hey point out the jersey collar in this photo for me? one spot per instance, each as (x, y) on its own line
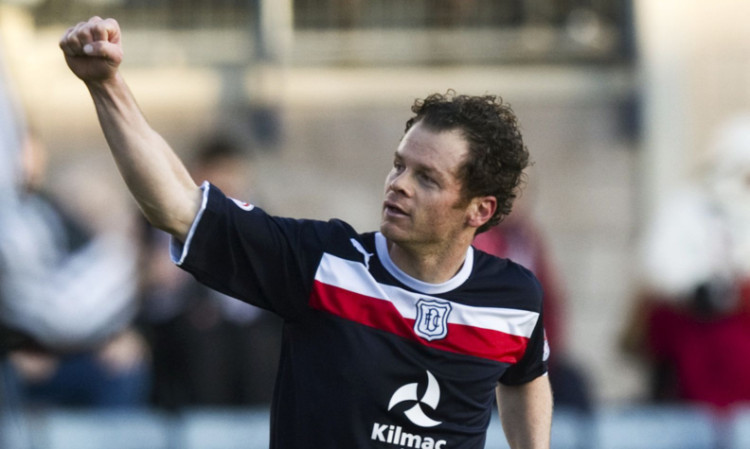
(381, 246)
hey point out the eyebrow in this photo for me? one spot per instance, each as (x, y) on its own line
(423, 168)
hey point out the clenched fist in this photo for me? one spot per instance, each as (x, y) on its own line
(93, 49)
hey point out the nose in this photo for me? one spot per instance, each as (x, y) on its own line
(398, 182)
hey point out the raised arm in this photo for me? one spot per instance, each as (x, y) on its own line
(526, 413)
(160, 183)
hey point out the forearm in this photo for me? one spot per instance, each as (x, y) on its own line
(526, 413)
(160, 183)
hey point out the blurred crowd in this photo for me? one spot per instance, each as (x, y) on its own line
(93, 313)
(90, 319)
(100, 322)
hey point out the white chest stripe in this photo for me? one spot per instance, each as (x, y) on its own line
(354, 277)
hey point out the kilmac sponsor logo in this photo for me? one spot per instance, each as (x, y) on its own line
(396, 435)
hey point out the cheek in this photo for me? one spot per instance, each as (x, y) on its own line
(440, 213)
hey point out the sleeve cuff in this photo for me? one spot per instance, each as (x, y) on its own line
(178, 250)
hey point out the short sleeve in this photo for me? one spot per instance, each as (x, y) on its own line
(240, 250)
(534, 362)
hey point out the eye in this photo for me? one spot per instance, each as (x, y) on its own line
(427, 179)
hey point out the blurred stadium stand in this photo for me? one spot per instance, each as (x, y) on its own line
(631, 427)
(655, 427)
(96, 429)
(571, 429)
(223, 429)
(738, 429)
(381, 31)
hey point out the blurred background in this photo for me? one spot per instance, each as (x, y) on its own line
(619, 101)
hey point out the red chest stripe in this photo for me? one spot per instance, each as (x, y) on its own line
(382, 314)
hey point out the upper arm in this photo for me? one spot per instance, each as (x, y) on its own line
(526, 413)
(242, 251)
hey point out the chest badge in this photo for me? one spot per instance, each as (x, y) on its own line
(432, 319)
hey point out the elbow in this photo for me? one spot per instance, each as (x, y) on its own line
(169, 224)
(174, 217)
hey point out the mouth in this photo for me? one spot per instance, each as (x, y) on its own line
(392, 209)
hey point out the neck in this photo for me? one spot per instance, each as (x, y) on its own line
(431, 265)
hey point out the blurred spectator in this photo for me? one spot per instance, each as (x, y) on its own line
(348, 13)
(691, 321)
(10, 119)
(209, 349)
(449, 13)
(68, 295)
(518, 238)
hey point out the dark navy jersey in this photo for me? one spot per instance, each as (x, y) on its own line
(371, 357)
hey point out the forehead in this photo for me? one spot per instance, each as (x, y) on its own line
(441, 151)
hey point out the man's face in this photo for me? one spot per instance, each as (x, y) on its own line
(423, 204)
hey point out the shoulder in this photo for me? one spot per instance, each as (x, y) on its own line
(489, 264)
(513, 284)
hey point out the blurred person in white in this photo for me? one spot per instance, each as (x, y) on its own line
(11, 120)
(691, 321)
(13, 433)
(208, 348)
(9, 137)
(68, 284)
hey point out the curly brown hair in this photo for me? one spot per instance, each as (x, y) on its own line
(497, 155)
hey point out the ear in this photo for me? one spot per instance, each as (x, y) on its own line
(480, 210)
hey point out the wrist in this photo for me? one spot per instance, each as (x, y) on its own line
(104, 84)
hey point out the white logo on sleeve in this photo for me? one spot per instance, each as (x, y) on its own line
(243, 205)
(408, 393)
